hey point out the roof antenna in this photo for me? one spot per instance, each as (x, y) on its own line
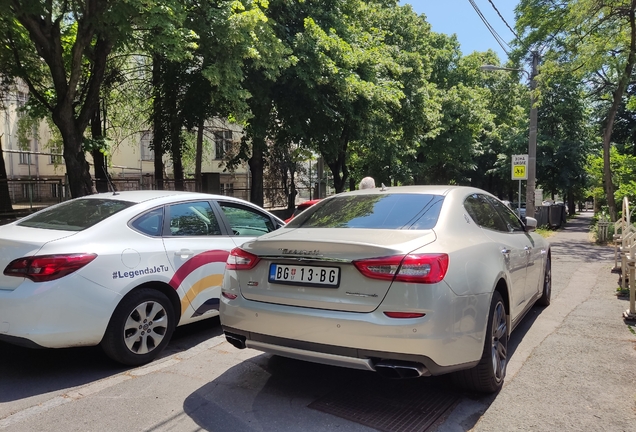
(383, 188)
(110, 183)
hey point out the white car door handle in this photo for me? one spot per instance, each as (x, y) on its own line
(183, 253)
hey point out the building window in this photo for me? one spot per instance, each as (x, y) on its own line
(21, 100)
(25, 159)
(147, 154)
(222, 141)
(27, 190)
(56, 159)
(55, 190)
(227, 189)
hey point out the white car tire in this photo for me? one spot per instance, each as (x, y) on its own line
(544, 300)
(488, 376)
(140, 327)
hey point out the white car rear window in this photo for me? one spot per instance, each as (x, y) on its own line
(75, 215)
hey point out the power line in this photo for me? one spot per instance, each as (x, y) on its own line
(490, 28)
(504, 20)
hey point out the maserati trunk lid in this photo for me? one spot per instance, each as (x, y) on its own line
(320, 273)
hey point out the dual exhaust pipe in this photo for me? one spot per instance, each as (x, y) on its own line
(386, 368)
(400, 369)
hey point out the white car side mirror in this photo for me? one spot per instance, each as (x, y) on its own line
(531, 223)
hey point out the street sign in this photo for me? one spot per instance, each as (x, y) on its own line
(520, 167)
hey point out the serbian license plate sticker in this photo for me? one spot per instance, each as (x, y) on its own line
(314, 276)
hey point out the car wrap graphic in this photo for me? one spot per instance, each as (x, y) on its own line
(131, 274)
(197, 261)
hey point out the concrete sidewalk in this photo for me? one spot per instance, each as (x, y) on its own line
(574, 368)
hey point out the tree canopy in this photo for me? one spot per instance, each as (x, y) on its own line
(366, 86)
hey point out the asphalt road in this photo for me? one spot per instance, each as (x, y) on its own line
(572, 368)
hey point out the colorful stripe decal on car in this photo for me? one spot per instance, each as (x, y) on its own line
(200, 285)
(194, 263)
(211, 304)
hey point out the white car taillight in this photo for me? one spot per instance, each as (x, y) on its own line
(45, 268)
(241, 260)
(416, 268)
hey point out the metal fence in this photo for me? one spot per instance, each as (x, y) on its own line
(35, 194)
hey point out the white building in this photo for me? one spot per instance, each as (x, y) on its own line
(36, 172)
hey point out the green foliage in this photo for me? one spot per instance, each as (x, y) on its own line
(590, 41)
(367, 85)
(96, 144)
(28, 129)
(623, 175)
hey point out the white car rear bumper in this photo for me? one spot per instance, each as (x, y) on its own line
(71, 311)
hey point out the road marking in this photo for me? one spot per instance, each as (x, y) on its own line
(98, 386)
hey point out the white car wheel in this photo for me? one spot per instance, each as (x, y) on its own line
(547, 285)
(140, 327)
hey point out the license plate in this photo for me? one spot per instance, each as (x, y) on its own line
(314, 276)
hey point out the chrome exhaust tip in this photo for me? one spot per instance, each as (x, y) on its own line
(400, 369)
(237, 340)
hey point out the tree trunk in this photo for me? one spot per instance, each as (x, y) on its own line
(5, 196)
(77, 168)
(258, 128)
(198, 159)
(79, 179)
(291, 196)
(99, 161)
(177, 162)
(571, 203)
(256, 163)
(157, 124)
(339, 165)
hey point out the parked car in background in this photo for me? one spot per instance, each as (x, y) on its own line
(120, 269)
(301, 207)
(405, 281)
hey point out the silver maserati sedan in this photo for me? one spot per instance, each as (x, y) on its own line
(405, 281)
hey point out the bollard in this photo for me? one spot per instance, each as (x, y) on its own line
(602, 227)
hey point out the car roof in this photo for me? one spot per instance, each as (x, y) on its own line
(308, 203)
(427, 189)
(147, 195)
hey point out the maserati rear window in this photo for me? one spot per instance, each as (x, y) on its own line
(390, 211)
(75, 215)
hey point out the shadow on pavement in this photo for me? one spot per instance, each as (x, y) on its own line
(273, 393)
(580, 245)
(29, 372)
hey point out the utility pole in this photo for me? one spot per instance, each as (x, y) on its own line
(532, 141)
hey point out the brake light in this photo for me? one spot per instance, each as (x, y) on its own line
(46, 268)
(228, 295)
(238, 259)
(417, 268)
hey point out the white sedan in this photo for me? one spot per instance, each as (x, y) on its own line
(120, 269)
(405, 281)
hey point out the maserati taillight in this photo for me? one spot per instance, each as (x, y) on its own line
(416, 268)
(241, 260)
(45, 268)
